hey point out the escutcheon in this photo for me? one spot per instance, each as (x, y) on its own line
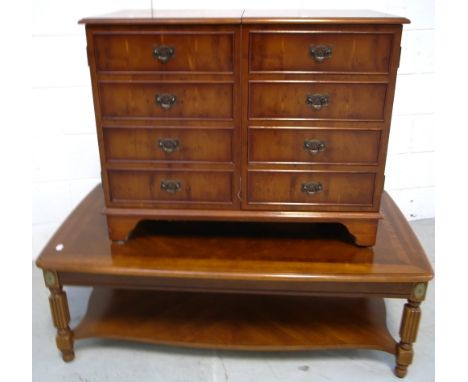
(50, 278)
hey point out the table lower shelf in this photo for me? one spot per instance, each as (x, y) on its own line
(238, 322)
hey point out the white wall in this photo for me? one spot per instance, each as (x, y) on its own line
(65, 152)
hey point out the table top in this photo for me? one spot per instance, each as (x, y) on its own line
(223, 16)
(237, 251)
(317, 16)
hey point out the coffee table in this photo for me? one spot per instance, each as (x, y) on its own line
(234, 285)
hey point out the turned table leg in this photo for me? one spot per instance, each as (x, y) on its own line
(60, 315)
(409, 330)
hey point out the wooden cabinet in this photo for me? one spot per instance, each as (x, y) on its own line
(255, 116)
(243, 115)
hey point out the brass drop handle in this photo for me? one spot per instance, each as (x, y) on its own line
(317, 100)
(168, 145)
(311, 188)
(163, 53)
(171, 186)
(320, 52)
(314, 146)
(166, 101)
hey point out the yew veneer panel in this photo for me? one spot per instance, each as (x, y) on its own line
(172, 144)
(289, 100)
(293, 51)
(150, 187)
(133, 99)
(292, 145)
(289, 188)
(190, 51)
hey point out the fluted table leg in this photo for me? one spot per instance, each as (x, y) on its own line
(60, 315)
(409, 330)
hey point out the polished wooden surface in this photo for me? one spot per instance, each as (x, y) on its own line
(284, 189)
(167, 16)
(198, 254)
(269, 273)
(352, 52)
(130, 50)
(197, 16)
(122, 221)
(229, 82)
(288, 145)
(132, 100)
(143, 187)
(287, 100)
(279, 73)
(266, 323)
(141, 144)
(203, 75)
(225, 83)
(319, 16)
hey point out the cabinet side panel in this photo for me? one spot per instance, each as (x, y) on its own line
(97, 109)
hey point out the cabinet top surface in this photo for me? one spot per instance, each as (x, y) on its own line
(303, 16)
(237, 251)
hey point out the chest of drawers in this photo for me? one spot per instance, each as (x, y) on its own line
(244, 115)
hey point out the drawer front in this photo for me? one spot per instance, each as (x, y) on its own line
(313, 146)
(320, 52)
(327, 188)
(164, 52)
(169, 186)
(314, 100)
(170, 144)
(123, 100)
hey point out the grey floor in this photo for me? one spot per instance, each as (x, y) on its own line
(105, 360)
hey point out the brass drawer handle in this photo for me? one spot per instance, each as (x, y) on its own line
(163, 53)
(314, 146)
(171, 186)
(168, 145)
(317, 100)
(311, 188)
(166, 101)
(320, 52)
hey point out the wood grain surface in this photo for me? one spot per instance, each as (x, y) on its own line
(290, 51)
(193, 51)
(267, 323)
(268, 257)
(152, 73)
(288, 145)
(221, 16)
